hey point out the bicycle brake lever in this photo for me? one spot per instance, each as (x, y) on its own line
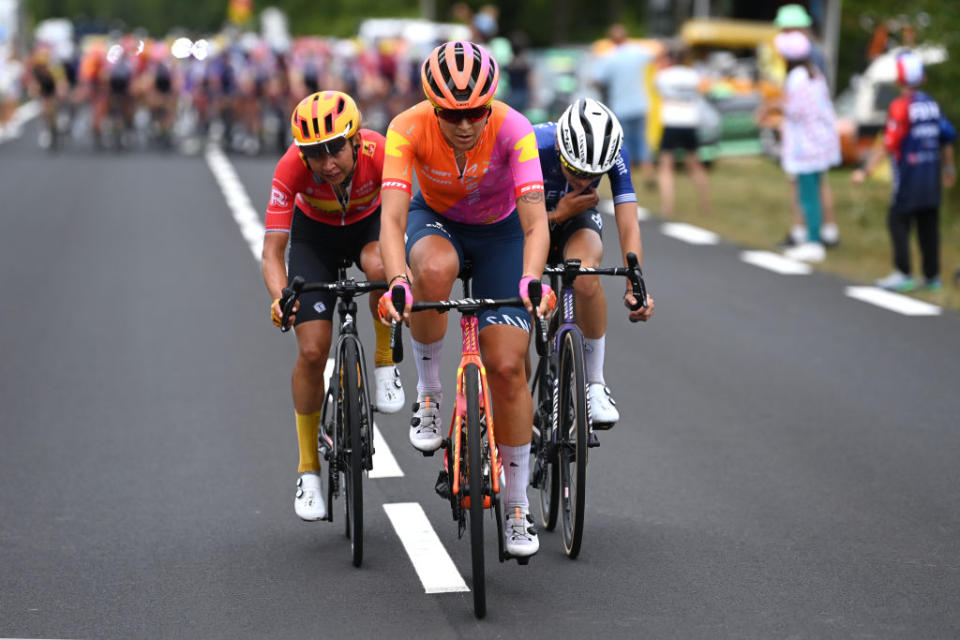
(398, 295)
(288, 298)
(636, 282)
(535, 291)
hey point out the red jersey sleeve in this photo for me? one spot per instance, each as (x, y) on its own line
(898, 125)
(283, 191)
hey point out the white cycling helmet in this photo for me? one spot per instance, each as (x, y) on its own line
(589, 136)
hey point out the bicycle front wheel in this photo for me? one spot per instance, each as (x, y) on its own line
(352, 463)
(543, 464)
(573, 436)
(474, 482)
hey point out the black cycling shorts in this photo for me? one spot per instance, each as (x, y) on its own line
(560, 233)
(679, 138)
(316, 251)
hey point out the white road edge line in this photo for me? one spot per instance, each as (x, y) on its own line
(689, 233)
(776, 263)
(237, 199)
(893, 301)
(430, 559)
(384, 462)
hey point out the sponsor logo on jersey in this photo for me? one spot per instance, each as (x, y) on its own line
(278, 198)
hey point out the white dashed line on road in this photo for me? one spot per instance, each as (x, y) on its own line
(776, 263)
(237, 199)
(689, 233)
(893, 301)
(430, 559)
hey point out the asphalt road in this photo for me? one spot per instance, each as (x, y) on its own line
(787, 465)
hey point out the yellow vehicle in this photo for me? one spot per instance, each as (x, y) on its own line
(740, 70)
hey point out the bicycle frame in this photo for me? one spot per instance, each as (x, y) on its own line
(469, 328)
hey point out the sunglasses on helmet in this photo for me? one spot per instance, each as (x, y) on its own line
(320, 149)
(576, 173)
(454, 116)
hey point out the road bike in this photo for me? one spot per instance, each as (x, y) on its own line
(346, 435)
(561, 426)
(472, 475)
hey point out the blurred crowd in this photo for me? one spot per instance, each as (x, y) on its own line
(128, 90)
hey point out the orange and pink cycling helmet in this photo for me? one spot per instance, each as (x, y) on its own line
(459, 75)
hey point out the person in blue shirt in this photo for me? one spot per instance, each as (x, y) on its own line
(575, 153)
(919, 140)
(622, 73)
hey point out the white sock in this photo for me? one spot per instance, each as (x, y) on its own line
(829, 232)
(516, 464)
(593, 350)
(798, 233)
(427, 357)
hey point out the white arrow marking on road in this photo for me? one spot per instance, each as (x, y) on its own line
(384, 463)
(431, 561)
(776, 263)
(237, 199)
(893, 301)
(689, 233)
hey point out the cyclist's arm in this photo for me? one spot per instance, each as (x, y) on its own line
(625, 214)
(395, 205)
(272, 262)
(536, 236)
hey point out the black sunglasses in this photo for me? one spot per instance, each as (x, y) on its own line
(576, 173)
(454, 116)
(333, 147)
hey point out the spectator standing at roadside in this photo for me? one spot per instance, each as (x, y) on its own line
(679, 87)
(791, 18)
(810, 142)
(623, 73)
(917, 136)
(11, 90)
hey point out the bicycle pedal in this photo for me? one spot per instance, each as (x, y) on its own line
(442, 486)
(524, 561)
(593, 440)
(427, 454)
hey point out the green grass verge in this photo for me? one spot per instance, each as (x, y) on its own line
(751, 207)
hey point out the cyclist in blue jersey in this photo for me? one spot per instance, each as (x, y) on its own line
(575, 153)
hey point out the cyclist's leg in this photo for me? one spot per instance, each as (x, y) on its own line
(586, 244)
(434, 258)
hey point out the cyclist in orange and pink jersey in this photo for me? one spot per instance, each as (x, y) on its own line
(481, 199)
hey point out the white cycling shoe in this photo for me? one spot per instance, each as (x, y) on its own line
(519, 535)
(601, 406)
(425, 424)
(390, 398)
(309, 503)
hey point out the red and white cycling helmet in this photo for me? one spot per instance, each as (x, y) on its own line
(459, 75)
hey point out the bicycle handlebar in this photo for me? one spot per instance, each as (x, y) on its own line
(570, 269)
(298, 286)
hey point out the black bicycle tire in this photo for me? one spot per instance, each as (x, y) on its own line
(549, 490)
(471, 385)
(353, 449)
(573, 486)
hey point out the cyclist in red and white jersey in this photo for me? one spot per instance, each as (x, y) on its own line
(481, 199)
(325, 199)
